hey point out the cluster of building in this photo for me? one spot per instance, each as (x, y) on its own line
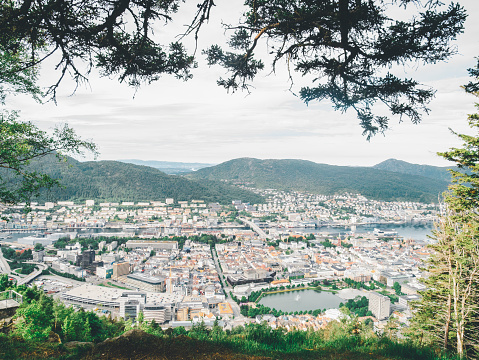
(162, 218)
(179, 285)
(170, 285)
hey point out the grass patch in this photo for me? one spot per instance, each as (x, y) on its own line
(117, 286)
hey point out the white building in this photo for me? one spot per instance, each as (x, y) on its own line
(379, 305)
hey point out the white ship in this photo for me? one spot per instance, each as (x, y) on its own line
(385, 232)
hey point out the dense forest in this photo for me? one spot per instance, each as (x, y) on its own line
(403, 167)
(325, 179)
(117, 181)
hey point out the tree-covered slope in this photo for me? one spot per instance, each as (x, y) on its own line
(113, 180)
(403, 167)
(325, 179)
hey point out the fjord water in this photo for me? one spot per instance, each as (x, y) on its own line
(405, 230)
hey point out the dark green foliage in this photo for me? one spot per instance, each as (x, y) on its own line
(39, 247)
(4, 282)
(447, 314)
(379, 284)
(254, 296)
(397, 288)
(114, 36)
(301, 175)
(62, 243)
(117, 181)
(67, 275)
(359, 284)
(211, 240)
(40, 315)
(25, 268)
(22, 142)
(357, 306)
(347, 49)
(326, 243)
(403, 167)
(392, 297)
(11, 254)
(271, 217)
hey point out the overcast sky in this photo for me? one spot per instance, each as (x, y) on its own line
(196, 121)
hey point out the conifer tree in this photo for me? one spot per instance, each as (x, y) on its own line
(449, 310)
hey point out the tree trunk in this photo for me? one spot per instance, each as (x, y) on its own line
(448, 321)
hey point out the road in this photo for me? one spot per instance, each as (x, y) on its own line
(239, 319)
(254, 227)
(4, 267)
(34, 274)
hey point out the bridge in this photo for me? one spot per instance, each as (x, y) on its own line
(33, 275)
(254, 227)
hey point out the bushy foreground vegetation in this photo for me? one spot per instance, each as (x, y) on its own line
(42, 327)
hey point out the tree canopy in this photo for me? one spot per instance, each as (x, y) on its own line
(22, 142)
(448, 311)
(347, 46)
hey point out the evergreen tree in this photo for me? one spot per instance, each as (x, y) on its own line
(449, 311)
(33, 321)
(68, 329)
(4, 282)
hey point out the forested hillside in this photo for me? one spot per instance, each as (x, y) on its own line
(403, 167)
(325, 179)
(113, 180)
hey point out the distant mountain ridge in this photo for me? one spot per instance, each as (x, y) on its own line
(303, 175)
(169, 167)
(114, 180)
(403, 167)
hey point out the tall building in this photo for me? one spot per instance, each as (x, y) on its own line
(87, 258)
(120, 269)
(156, 312)
(379, 305)
(38, 256)
(132, 303)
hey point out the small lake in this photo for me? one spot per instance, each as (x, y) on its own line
(301, 300)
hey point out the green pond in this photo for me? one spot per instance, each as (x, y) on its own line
(302, 300)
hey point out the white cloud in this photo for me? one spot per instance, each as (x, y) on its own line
(196, 121)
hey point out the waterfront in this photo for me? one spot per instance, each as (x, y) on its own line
(405, 230)
(301, 300)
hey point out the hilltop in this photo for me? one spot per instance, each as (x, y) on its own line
(302, 175)
(117, 181)
(403, 167)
